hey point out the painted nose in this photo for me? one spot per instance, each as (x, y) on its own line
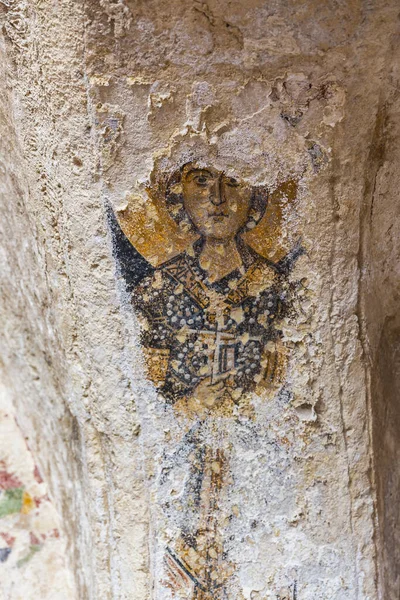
(218, 193)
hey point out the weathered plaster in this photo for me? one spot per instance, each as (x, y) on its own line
(100, 98)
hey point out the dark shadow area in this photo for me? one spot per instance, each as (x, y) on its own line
(386, 428)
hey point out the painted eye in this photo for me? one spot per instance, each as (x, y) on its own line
(202, 180)
(232, 182)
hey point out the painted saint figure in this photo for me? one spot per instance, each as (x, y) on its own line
(210, 320)
(211, 313)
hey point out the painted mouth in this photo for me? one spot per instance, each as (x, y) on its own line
(218, 217)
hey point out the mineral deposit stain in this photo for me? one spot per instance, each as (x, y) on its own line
(210, 299)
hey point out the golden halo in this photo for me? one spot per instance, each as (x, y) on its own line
(151, 230)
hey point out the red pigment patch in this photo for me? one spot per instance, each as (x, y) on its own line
(33, 539)
(9, 539)
(38, 501)
(37, 475)
(44, 498)
(8, 481)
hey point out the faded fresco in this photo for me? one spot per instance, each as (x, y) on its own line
(32, 543)
(196, 257)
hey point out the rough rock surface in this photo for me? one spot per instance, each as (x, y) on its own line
(98, 98)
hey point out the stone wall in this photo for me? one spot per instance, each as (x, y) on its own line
(103, 102)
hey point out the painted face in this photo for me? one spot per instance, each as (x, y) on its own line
(218, 205)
